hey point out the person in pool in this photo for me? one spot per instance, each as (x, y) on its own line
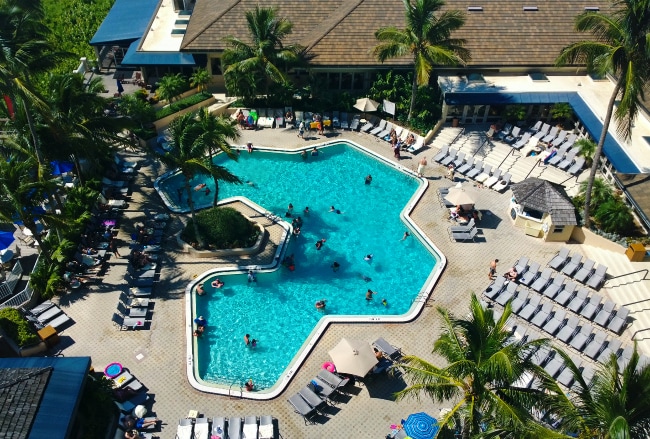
(365, 278)
(200, 321)
(369, 294)
(217, 283)
(306, 211)
(303, 155)
(336, 266)
(247, 339)
(335, 210)
(296, 231)
(368, 179)
(251, 276)
(319, 243)
(314, 151)
(199, 290)
(368, 258)
(250, 386)
(320, 304)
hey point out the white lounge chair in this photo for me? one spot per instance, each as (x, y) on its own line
(551, 135)
(267, 430)
(559, 259)
(466, 166)
(568, 158)
(493, 179)
(354, 124)
(598, 277)
(250, 427)
(487, 170)
(561, 137)
(441, 154)
(522, 142)
(503, 183)
(379, 128)
(184, 429)
(576, 166)
(417, 146)
(234, 428)
(476, 170)
(201, 428)
(542, 132)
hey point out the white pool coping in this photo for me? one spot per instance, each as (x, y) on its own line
(418, 301)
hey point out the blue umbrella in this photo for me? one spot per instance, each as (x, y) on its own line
(421, 426)
(6, 239)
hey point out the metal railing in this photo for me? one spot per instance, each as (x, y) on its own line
(460, 133)
(7, 287)
(645, 270)
(234, 395)
(486, 141)
(19, 299)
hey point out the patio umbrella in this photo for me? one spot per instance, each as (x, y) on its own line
(421, 426)
(6, 239)
(354, 357)
(460, 196)
(366, 105)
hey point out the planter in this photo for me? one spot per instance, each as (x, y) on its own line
(161, 123)
(255, 248)
(454, 122)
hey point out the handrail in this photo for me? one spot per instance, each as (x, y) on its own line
(627, 274)
(241, 390)
(537, 163)
(482, 145)
(460, 133)
(512, 152)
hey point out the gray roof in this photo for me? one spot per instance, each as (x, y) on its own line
(544, 196)
(21, 391)
(638, 187)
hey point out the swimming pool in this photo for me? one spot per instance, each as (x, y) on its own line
(279, 309)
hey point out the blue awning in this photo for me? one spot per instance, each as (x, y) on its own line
(126, 21)
(133, 57)
(612, 149)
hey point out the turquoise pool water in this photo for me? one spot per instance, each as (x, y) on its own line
(278, 310)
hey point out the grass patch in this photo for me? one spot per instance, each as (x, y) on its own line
(17, 328)
(181, 104)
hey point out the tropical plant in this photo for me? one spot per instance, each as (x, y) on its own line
(171, 86)
(200, 79)
(614, 405)
(17, 328)
(515, 113)
(587, 148)
(484, 364)
(601, 192)
(216, 131)
(188, 154)
(264, 58)
(426, 38)
(561, 112)
(622, 48)
(223, 228)
(614, 216)
(139, 110)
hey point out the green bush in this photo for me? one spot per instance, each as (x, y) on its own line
(96, 409)
(614, 216)
(222, 228)
(17, 328)
(182, 104)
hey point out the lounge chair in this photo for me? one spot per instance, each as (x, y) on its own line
(579, 300)
(508, 294)
(460, 158)
(617, 323)
(559, 139)
(554, 366)
(336, 122)
(369, 125)
(559, 156)
(312, 398)
(522, 142)
(453, 152)
(568, 158)
(551, 135)
(219, 427)
(542, 132)
(379, 128)
(543, 280)
(531, 308)
(559, 259)
(606, 313)
(585, 271)
(466, 166)
(542, 316)
(234, 428)
(581, 339)
(201, 428)
(441, 154)
(554, 288)
(267, 429)
(487, 170)
(495, 287)
(530, 275)
(566, 377)
(535, 128)
(467, 228)
(250, 427)
(573, 265)
(554, 324)
(386, 131)
(332, 379)
(612, 347)
(577, 165)
(490, 133)
(625, 356)
(184, 429)
(125, 163)
(39, 309)
(48, 315)
(476, 170)
(514, 135)
(590, 309)
(387, 349)
(301, 407)
(323, 389)
(344, 121)
(464, 236)
(598, 277)
(568, 330)
(507, 128)
(354, 124)
(129, 405)
(566, 294)
(490, 181)
(521, 265)
(139, 292)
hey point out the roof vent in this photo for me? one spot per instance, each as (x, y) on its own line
(475, 8)
(530, 8)
(592, 8)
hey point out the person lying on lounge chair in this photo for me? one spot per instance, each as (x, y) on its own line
(512, 274)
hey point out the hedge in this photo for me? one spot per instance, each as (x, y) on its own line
(182, 104)
(17, 328)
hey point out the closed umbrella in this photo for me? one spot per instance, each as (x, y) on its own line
(6, 239)
(460, 196)
(421, 426)
(366, 105)
(354, 357)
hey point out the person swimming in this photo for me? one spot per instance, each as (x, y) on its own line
(198, 187)
(335, 210)
(251, 276)
(217, 283)
(384, 302)
(320, 304)
(319, 243)
(368, 179)
(336, 266)
(368, 257)
(365, 278)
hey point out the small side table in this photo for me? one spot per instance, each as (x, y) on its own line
(49, 336)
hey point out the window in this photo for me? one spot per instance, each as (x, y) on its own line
(346, 81)
(215, 66)
(334, 79)
(558, 229)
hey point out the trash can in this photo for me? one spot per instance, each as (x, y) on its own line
(635, 252)
(49, 336)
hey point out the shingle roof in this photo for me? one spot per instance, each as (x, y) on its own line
(21, 391)
(544, 196)
(341, 32)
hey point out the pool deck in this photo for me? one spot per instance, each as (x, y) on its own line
(156, 356)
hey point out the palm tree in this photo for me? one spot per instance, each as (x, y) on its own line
(614, 405)
(261, 58)
(189, 156)
(485, 362)
(426, 38)
(200, 79)
(600, 193)
(622, 48)
(216, 132)
(586, 148)
(170, 87)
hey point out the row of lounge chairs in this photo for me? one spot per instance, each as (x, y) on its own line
(313, 398)
(582, 271)
(482, 173)
(47, 314)
(231, 428)
(381, 128)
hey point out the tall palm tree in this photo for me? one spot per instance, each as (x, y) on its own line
(426, 38)
(265, 56)
(614, 405)
(601, 191)
(189, 156)
(484, 363)
(200, 79)
(216, 132)
(621, 47)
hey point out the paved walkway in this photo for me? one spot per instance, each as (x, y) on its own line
(156, 356)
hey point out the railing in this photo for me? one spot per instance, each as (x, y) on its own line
(512, 152)
(460, 133)
(482, 145)
(19, 299)
(645, 270)
(232, 395)
(539, 163)
(7, 287)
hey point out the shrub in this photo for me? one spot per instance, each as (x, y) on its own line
(222, 228)
(182, 104)
(17, 328)
(614, 216)
(96, 409)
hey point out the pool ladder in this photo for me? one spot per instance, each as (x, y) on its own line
(234, 395)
